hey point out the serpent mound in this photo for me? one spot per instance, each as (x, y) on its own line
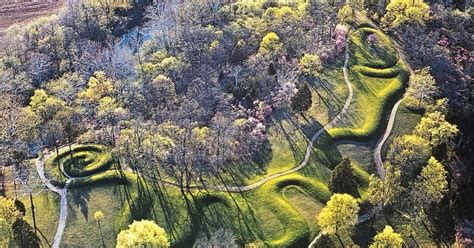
(84, 160)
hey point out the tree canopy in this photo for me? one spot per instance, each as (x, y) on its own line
(343, 179)
(144, 233)
(339, 215)
(387, 238)
(399, 12)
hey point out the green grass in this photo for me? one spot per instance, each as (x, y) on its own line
(405, 122)
(83, 203)
(380, 55)
(46, 213)
(307, 206)
(294, 230)
(378, 79)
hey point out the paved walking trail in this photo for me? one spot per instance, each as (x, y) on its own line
(378, 148)
(63, 203)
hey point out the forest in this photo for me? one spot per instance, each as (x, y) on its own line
(237, 123)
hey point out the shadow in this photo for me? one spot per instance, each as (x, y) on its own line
(81, 198)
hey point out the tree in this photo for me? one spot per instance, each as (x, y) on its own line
(346, 14)
(339, 215)
(159, 93)
(408, 153)
(110, 113)
(340, 36)
(5, 233)
(98, 216)
(387, 239)
(431, 185)
(405, 11)
(144, 233)
(98, 87)
(436, 128)
(310, 64)
(270, 44)
(17, 131)
(343, 180)
(45, 105)
(422, 86)
(8, 211)
(382, 192)
(302, 101)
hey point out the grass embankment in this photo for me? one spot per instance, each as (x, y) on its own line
(378, 78)
(78, 161)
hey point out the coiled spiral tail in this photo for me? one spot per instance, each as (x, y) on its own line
(84, 160)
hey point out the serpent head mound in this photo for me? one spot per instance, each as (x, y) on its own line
(371, 48)
(84, 160)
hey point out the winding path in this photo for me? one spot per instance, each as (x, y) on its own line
(378, 148)
(63, 203)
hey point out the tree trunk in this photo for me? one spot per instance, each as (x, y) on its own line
(413, 238)
(340, 240)
(14, 189)
(70, 148)
(113, 136)
(101, 235)
(33, 212)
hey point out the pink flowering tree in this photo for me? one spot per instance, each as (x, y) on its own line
(372, 39)
(340, 36)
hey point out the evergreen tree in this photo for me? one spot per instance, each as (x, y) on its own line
(302, 100)
(343, 180)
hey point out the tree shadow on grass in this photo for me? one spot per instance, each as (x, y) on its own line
(81, 199)
(212, 211)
